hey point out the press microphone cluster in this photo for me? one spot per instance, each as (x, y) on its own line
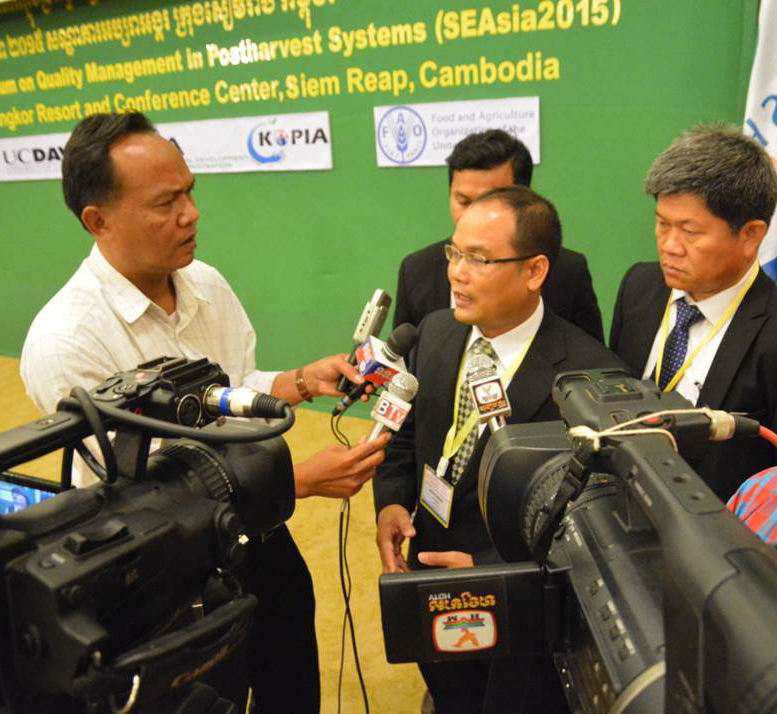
(370, 324)
(379, 361)
(393, 405)
(488, 392)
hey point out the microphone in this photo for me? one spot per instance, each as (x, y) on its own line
(488, 392)
(369, 324)
(242, 402)
(379, 361)
(393, 405)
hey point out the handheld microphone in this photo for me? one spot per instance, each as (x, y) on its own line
(393, 405)
(379, 361)
(242, 402)
(369, 324)
(488, 392)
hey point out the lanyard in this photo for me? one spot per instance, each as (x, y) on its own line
(454, 439)
(714, 331)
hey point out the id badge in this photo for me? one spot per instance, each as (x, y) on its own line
(436, 496)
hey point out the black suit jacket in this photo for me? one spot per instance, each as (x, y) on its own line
(423, 287)
(742, 377)
(558, 346)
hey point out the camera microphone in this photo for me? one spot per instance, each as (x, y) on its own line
(369, 324)
(379, 361)
(242, 402)
(488, 392)
(393, 405)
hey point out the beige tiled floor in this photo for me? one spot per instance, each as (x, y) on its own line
(392, 689)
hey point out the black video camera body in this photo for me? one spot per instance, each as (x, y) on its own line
(650, 594)
(96, 584)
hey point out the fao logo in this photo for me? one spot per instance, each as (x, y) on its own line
(401, 135)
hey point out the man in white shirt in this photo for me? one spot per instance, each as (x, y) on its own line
(140, 295)
(715, 193)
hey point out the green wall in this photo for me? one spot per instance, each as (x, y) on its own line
(304, 250)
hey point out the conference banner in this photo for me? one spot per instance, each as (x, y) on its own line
(425, 134)
(761, 111)
(278, 142)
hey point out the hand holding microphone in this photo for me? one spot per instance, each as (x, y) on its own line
(488, 392)
(378, 361)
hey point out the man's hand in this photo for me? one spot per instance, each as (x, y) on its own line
(337, 472)
(394, 526)
(446, 559)
(322, 376)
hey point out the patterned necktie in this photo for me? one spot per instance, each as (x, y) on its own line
(466, 405)
(677, 342)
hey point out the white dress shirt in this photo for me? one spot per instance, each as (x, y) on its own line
(713, 309)
(99, 324)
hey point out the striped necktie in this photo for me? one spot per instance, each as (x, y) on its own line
(480, 346)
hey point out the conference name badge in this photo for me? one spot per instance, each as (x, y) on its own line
(436, 496)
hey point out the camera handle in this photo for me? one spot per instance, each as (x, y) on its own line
(171, 662)
(575, 479)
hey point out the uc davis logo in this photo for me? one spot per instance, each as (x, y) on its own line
(401, 135)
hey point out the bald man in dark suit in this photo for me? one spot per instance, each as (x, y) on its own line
(496, 268)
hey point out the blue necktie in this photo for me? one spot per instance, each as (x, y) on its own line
(677, 343)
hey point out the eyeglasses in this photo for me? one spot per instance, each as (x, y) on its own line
(478, 262)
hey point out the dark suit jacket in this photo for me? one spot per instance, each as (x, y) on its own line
(423, 287)
(558, 346)
(742, 378)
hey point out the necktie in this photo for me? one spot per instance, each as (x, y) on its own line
(466, 405)
(677, 342)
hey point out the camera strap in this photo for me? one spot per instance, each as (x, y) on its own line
(571, 486)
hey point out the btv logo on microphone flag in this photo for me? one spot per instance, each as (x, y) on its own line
(761, 111)
(391, 411)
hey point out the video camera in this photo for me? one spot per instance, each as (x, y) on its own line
(97, 584)
(650, 595)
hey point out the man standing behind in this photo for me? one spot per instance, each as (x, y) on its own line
(703, 320)
(479, 163)
(140, 295)
(499, 257)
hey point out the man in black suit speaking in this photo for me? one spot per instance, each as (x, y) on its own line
(479, 163)
(703, 320)
(499, 257)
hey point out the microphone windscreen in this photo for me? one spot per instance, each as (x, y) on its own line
(401, 340)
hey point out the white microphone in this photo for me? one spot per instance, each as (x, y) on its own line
(488, 392)
(393, 404)
(370, 323)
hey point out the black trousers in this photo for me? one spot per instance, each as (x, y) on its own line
(526, 684)
(279, 657)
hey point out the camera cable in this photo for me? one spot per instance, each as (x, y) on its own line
(345, 582)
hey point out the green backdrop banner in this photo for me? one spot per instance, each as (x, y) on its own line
(616, 79)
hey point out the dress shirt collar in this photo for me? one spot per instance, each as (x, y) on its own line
(129, 302)
(509, 344)
(714, 307)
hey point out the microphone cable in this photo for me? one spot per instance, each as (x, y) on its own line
(345, 581)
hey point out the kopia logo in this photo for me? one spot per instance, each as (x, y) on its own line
(269, 142)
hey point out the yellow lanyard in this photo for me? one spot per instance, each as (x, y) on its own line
(454, 439)
(714, 331)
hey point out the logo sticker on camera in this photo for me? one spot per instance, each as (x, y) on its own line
(464, 631)
(466, 620)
